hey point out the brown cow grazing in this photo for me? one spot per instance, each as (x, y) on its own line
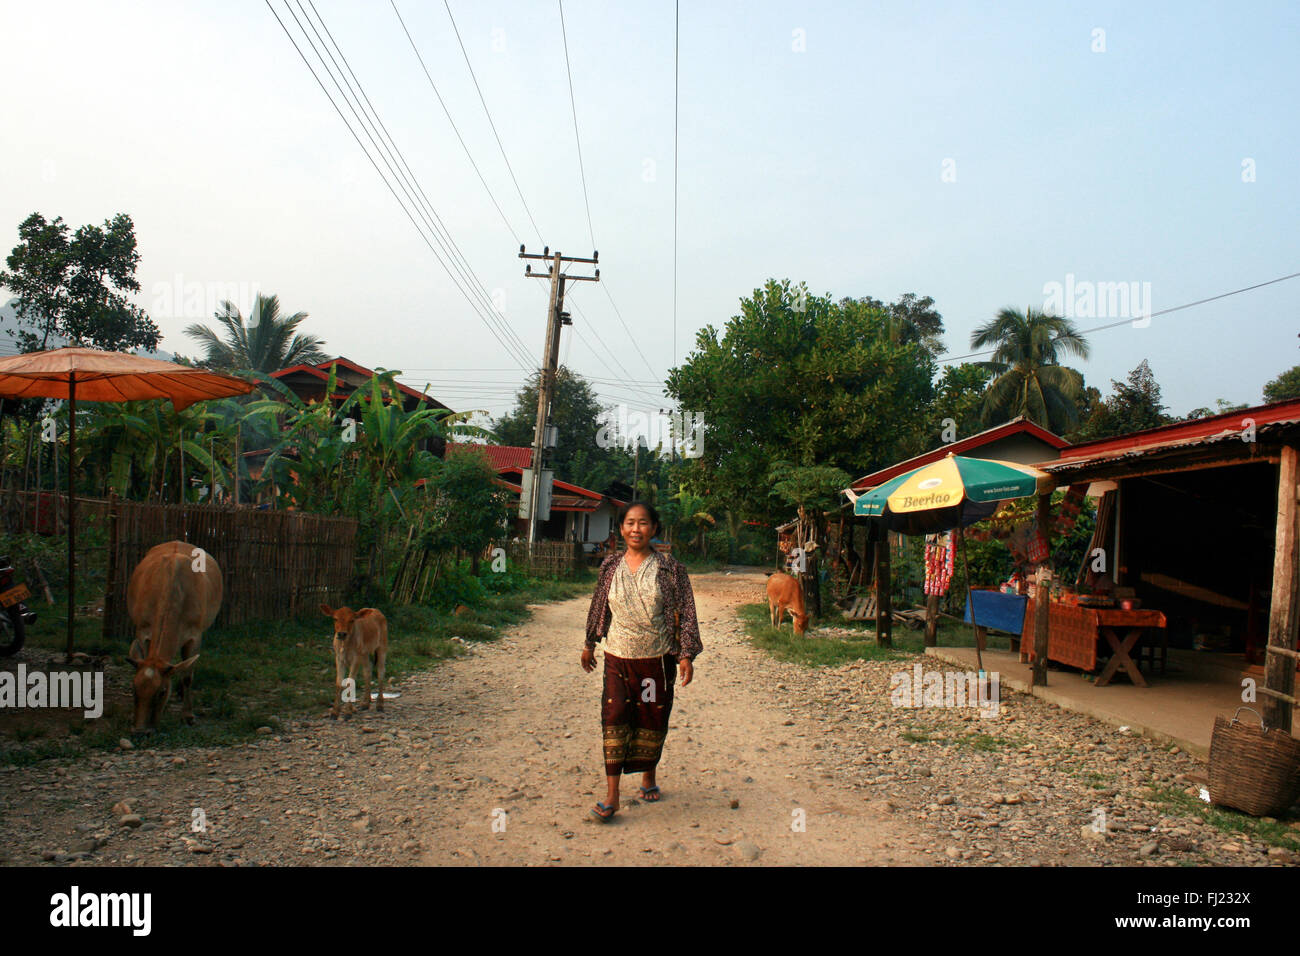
(784, 594)
(172, 598)
(359, 637)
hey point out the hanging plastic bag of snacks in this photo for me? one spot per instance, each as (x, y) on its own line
(939, 556)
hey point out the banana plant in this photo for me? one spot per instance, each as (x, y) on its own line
(141, 449)
(693, 515)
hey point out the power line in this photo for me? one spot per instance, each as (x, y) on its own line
(464, 268)
(491, 123)
(461, 139)
(1114, 325)
(627, 376)
(630, 337)
(593, 351)
(518, 188)
(573, 103)
(373, 163)
(677, 32)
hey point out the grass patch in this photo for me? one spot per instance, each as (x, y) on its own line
(809, 650)
(1230, 822)
(1094, 779)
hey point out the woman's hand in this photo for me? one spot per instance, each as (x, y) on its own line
(686, 670)
(588, 659)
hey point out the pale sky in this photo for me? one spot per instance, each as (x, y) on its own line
(867, 149)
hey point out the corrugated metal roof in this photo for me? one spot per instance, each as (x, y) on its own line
(499, 456)
(1212, 427)
(1153, 445)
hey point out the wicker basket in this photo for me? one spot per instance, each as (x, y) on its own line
(1253, 768)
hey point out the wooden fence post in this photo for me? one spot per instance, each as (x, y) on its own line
(1284, 614)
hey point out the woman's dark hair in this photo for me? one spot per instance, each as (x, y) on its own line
(649, 510)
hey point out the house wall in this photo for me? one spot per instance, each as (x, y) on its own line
(1020, 448)
(599, 522)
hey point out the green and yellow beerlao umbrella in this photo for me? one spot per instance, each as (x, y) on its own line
(951, 493)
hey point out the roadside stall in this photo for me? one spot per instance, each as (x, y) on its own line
(947, 495)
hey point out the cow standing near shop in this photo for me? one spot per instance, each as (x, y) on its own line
(784, 595)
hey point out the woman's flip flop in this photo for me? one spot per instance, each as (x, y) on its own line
(651, 794)
(603, 813)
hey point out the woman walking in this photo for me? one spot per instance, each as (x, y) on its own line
(644, 610)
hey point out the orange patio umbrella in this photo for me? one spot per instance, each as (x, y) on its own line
(96, 376)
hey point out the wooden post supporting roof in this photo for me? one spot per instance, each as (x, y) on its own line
(1041, 606)
(884, 609)
(1284, 614)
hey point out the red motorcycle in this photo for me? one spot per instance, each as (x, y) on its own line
(14, 614)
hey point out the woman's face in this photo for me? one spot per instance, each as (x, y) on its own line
(637, 528)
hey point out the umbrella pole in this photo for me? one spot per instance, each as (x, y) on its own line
(72, 508)
(965, 566)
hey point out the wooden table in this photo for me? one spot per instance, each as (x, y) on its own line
(1074, 634)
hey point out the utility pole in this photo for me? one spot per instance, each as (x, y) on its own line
(556, 319)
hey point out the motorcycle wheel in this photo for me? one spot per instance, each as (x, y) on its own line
(12, 631)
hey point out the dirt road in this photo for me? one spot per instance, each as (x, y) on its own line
(495, 758)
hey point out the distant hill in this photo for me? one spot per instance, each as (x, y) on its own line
(9, 343)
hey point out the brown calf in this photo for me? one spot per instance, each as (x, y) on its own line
(784, 594)
(359, 637)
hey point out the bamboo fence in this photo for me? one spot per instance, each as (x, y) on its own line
(46, 512)
(274, 564)
(551, 559)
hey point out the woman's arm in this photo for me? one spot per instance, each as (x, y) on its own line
(689, 635)
(598, 614)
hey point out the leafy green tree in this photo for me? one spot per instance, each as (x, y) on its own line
(1029, 379)
(1135, 404)
(75, 287)
(268, 342)
(1087, 404)
(467, 506)
(575, 411)
(1221, 407)
(1286, 385)
(801, 378)
(959, 396)
(812, 489)
(909, 319)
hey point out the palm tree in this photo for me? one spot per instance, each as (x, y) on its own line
(1029, 379)
(267, 343)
